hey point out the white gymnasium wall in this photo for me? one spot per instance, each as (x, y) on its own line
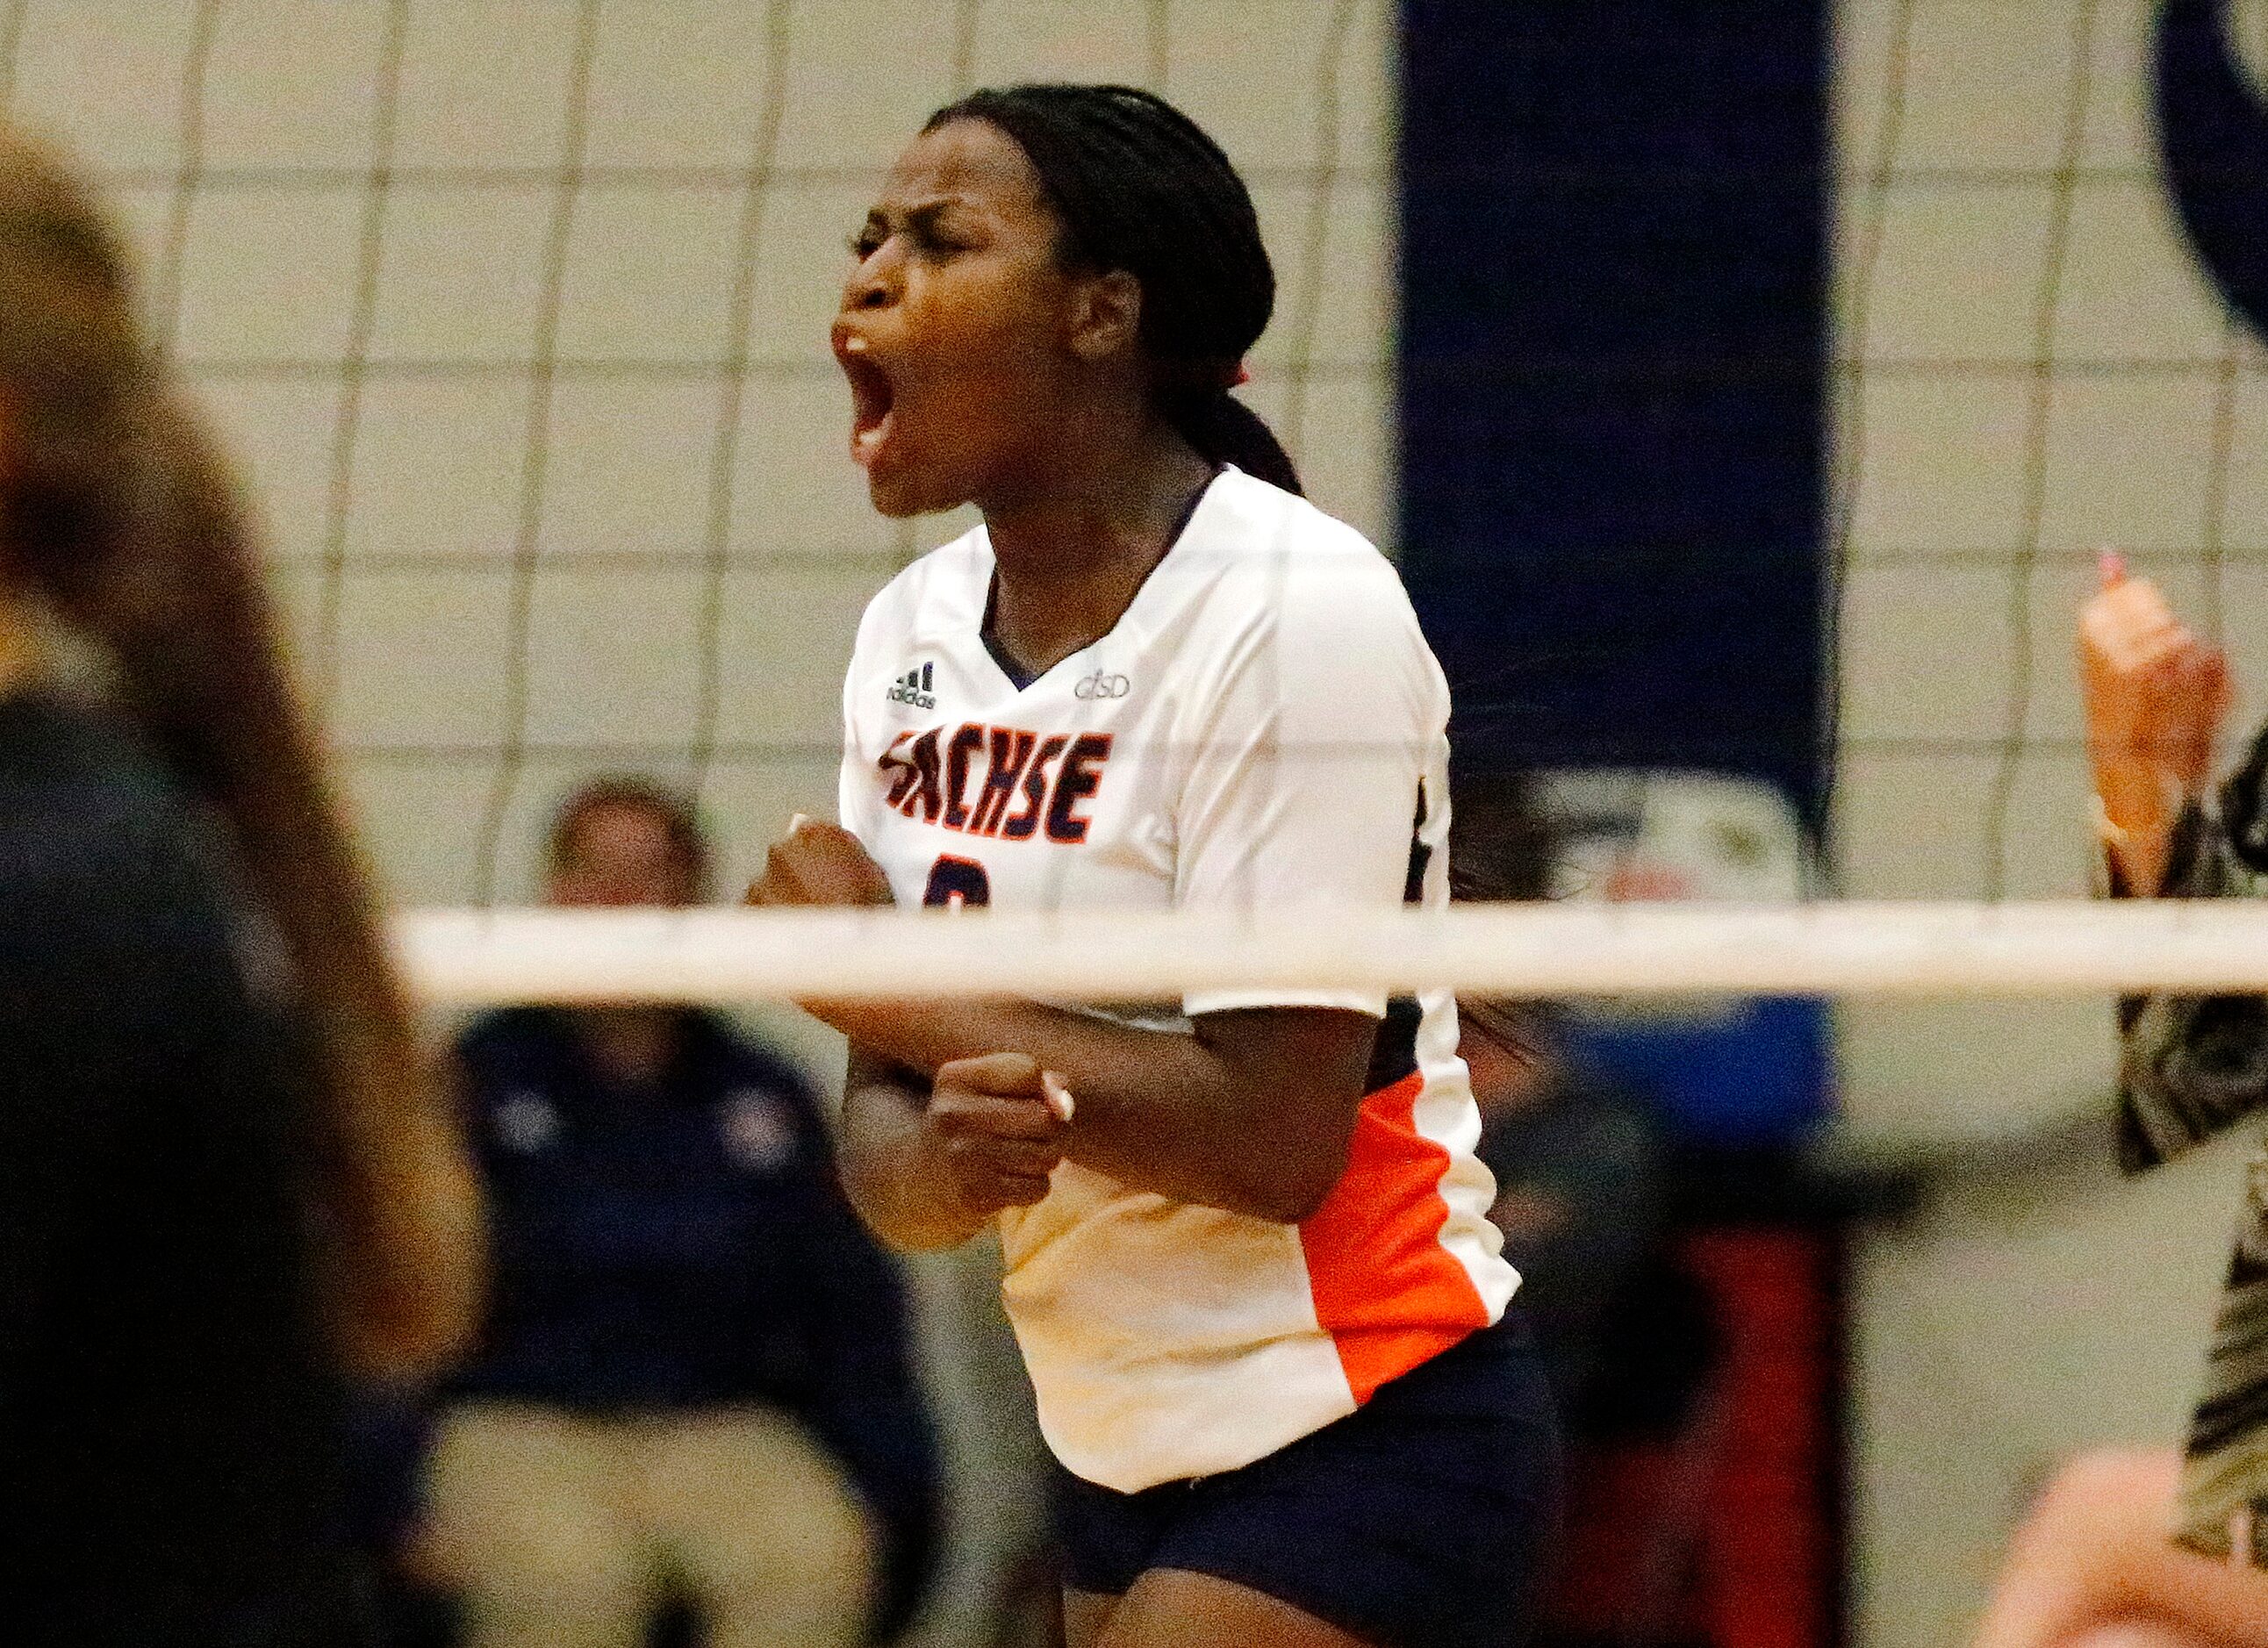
(515, 312)
(2028, 367)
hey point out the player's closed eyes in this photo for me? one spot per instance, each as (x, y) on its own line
(929, 241)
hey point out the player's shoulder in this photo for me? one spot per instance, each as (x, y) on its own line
(1265, 513)
(951, 567)
(1306, 565)
(1294, 544)
(948, 577)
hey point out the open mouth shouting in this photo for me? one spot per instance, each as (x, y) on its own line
(873, 398)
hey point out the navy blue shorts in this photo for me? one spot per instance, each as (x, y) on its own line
(1420, 1521)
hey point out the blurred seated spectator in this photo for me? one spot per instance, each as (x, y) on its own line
(1629, 1336)
(1579, 1166)
(693, 1392)
(1580, 1187)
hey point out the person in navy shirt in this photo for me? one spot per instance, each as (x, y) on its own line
(694, 1384)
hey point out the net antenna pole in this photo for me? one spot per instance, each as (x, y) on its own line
(535, 464)
(2039, 408)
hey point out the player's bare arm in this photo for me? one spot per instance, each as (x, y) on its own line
(1253, 1113)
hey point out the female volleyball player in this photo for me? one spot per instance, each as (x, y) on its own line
(1246, 1255)
(2097, 1565)
(224, 1183)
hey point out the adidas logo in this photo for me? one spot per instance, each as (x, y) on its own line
(913, 687)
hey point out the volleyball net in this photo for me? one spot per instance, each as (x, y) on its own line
(515, 312)
(469, 958)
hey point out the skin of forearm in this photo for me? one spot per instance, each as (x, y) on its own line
(2224, 1605)
(2134, 802)
(1161, 1111)
(2141, 860)
(888, 1170)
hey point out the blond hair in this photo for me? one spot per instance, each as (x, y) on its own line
(118, 516)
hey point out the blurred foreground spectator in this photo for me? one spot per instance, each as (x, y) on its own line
(693, 1396)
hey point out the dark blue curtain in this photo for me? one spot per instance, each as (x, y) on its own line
(1613, 379)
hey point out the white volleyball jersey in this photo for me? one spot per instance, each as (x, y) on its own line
(1266, 729)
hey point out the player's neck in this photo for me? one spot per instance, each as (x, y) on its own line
(1071, 557)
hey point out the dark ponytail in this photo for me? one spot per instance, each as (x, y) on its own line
(1140, 187)
(1224, 430)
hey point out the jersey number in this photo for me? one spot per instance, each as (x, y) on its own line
(957, 884)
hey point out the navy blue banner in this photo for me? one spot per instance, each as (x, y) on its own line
(1613, 379)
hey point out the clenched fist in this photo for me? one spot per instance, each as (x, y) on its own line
(2156, 695)
(996, 1126)
(822, 864)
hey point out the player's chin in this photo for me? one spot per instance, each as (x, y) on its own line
(901, 492)
(898, 499)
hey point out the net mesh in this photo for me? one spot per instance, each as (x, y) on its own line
(516, 309)
(518, 312)
(2030, 368)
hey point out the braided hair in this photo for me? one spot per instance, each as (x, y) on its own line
(1138, 186)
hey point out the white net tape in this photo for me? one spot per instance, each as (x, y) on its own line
(467, 958)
